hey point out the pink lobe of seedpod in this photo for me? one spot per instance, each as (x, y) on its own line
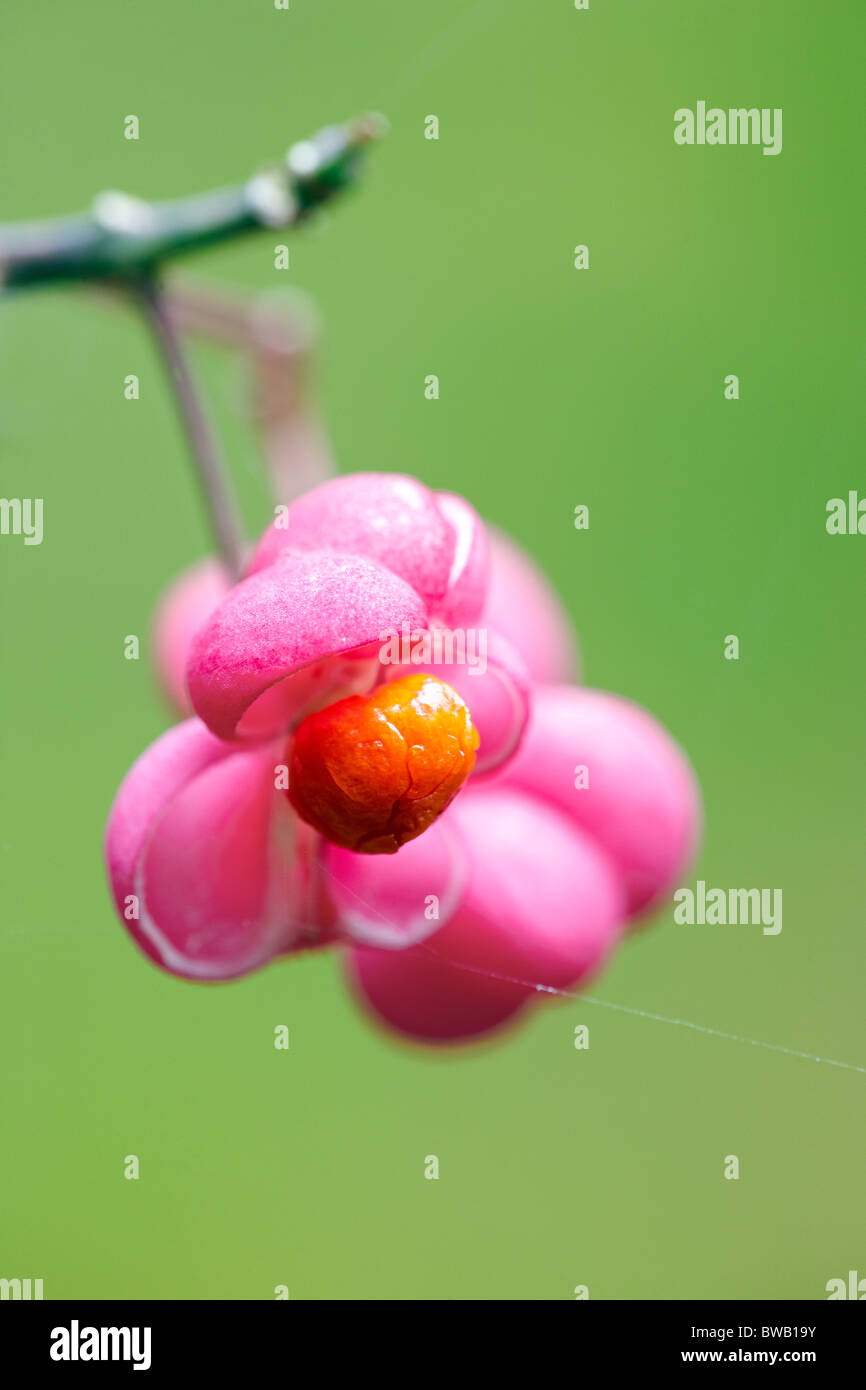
(618, 775)
(295, 636)
(205, 859)
(541, 909)
(434, 542)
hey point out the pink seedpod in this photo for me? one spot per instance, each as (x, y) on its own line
(505, 854)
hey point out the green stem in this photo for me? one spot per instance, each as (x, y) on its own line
(124, 236)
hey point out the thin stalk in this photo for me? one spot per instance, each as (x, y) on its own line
(213, 479)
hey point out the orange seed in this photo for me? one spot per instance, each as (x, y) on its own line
(373, 771)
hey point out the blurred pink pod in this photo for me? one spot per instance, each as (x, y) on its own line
(541, 909)
(617, 774)
(523, 608)
(180, 611)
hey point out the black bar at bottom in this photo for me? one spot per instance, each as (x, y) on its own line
(151, 1338)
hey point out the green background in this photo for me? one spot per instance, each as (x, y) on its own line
(558, 387)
